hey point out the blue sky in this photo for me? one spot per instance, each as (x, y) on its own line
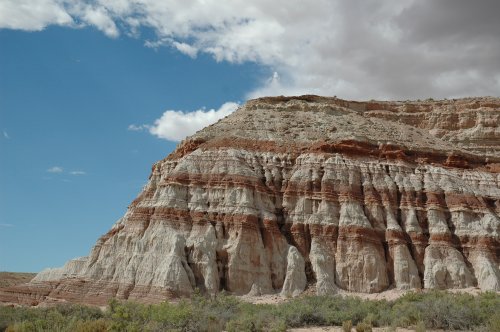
(93, 92)
(67, 98)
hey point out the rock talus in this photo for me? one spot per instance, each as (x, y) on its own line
(294, 192)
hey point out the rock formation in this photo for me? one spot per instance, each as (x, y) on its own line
(291, 192)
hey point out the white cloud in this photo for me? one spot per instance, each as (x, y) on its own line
(6, 135)
(100, 18)
(186, 49)
(176, 125)
(32, 15)
(35, 15)
(354, 49)
(134, 127)
(55, 169)
(60, 170)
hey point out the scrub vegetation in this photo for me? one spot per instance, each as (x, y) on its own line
(419, 311)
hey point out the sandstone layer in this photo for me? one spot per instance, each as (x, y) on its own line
(295, 192)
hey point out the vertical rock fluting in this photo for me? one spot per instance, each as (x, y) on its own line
(287, 193)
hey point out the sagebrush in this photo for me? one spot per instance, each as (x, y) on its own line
(439, 310)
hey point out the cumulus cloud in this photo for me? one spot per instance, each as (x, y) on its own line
(98, 17)
(55, 169)
(186, 49)
(354, 49)
(35, 15)
(176, 125)
(32, 15)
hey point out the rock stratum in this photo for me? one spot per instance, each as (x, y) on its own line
(295, 192)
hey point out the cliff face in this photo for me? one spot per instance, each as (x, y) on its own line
(290, 192)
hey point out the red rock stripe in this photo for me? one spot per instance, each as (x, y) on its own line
(347, 147)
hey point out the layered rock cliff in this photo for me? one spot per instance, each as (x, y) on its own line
(295, 192)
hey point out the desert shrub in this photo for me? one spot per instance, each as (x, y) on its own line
(20, 327)
(82, 312)
(174, 316)
(332, 310)
(440, 310)
(405, 311)
(347, 326)
(302, 312)
(420, 327)
(487, 306)
(56, 318)
(493, 324)
(200, 313)
(98, 325)
(363, 327)
(16, 315)
(443, 310)
(256, 324)
(277, 326)
(370, 319)
(213, 313)
(256, 317)
(127, 316)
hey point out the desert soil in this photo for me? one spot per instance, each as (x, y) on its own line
(8, 279)
(339, 329)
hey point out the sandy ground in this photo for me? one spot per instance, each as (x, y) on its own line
(389, 295)
(339, 329)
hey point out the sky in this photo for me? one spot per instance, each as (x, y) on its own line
(92, 93)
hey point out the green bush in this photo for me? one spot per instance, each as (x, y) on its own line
(443, 310)
(99, 325)
(174, 316)
(213, 313)
(256, 317)
(494, 323)
(332, 310)
(440, 310)
(56, 318)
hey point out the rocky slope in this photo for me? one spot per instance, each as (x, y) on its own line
(290, 192)
(8, 279)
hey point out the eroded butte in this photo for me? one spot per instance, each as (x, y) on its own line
(295, 192)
